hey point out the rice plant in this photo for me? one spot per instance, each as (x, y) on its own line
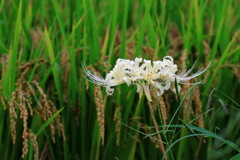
(180, 103)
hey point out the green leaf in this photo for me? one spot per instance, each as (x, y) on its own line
(237, 157)
(48, 122)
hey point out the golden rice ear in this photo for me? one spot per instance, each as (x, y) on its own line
(100, 109)
(163, 109)
(21, 108)
(186, 111)
(3, 102)
(117, 118)
(47, 110)
(198, 106)
(33, 138)
(13, 115)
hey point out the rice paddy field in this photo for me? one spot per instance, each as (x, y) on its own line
(50, 110)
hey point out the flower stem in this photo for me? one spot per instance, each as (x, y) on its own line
(157, 130)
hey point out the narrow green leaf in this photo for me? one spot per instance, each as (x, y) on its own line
(237, 157)
(48, 122)
(54, 69)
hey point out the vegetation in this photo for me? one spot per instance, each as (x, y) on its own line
(48, 109)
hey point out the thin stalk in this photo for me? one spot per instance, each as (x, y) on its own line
(157, 130)
(199, 147)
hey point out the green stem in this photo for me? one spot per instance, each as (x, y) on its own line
(157, 130)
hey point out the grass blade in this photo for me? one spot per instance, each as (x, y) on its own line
(48, 122)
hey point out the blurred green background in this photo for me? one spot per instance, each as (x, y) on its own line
(43, 44)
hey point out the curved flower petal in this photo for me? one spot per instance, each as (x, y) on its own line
(179, 89)
(109, 90)
(147, 92)
(168, 85)
(160, 89)
(127, 80)
(140, 90)
(137, 61)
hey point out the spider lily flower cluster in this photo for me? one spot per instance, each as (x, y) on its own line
(161, 75)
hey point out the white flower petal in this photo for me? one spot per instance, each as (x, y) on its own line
(168, 85)
(147, 92)
(155, 76)
(137, 61)
(109, 90)
(140, 90)
(127, 80)
(160, 89)
(179, 89)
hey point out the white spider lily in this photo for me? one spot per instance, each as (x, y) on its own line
(148, 75)
(161, 75)
(168, 69)
(116, 77)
